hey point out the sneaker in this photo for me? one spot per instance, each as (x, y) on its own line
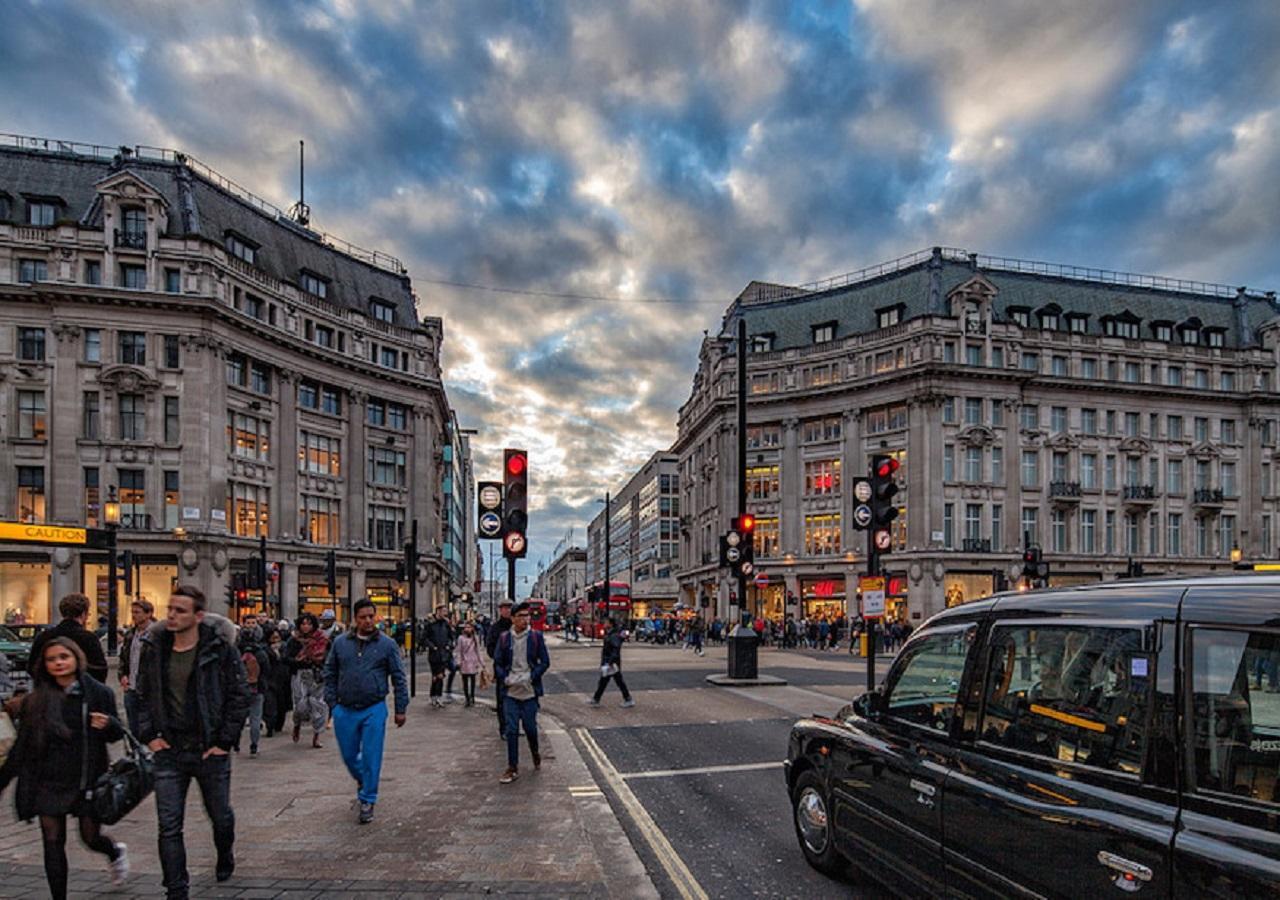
(119, 866)
(593, 702)
(366, 813)
(447, 698)
(628, 703)
(253, 751)
(508, 776)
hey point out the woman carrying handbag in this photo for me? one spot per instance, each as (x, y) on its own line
(64, 726)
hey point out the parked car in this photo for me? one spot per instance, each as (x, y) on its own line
(1061, 743)
(28, 630)
(17, 651)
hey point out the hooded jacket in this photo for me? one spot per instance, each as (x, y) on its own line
(535, 651)
(218, 682)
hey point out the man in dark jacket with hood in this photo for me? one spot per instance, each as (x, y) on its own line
(611, 665)
(439, 640)
(74, 609)
(193, 700)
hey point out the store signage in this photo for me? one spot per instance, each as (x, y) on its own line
(42, 534)
(824, 589)
(191, 512)
(762, 579)
(218, 515)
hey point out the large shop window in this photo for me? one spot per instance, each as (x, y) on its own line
(1235, 730)
(1074, 694)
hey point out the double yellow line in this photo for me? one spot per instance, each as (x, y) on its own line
(670, 861)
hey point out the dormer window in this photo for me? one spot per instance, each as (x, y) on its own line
(242, 248)
(1162, 331)
(382, 311)
(890, 315)
(1188, 335)
(1077, 323)
(1050, 317)
(133, 234)
(762, 343)
(1020, 316)
(314, 284)
(824, 333)
(43, 211)
(1124, 325)
(1215, 337)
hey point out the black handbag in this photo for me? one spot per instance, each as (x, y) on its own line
(125, 784)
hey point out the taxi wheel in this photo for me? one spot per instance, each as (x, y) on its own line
(811, 814)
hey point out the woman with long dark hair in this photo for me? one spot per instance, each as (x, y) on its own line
(64, 726)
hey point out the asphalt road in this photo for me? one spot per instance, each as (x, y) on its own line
(729, 822)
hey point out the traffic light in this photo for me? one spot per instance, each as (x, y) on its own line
(254, 581)
(331, 572)
(401, 573)
(515, 503)
(126, 568)
(884, 485)
(737, 546)
(239, 589)
(1035, 568)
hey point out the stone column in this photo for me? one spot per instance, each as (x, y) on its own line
(289, 602)
(64, 410)
(356, 589)
(791, 487)
(285, 500)
(353, 510)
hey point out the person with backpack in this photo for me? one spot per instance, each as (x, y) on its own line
(64, 726)
(305, 655)
(257, 667)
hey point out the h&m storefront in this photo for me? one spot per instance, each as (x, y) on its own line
(31, 583)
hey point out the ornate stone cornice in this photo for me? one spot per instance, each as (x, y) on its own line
(976, 436)
(1063, 441)
(127, 379)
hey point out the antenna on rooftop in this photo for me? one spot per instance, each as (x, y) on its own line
(300, 211)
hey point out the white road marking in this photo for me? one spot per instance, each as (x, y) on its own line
(701, 770)
(668, 858)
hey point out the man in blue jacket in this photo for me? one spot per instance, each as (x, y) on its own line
(355, 687)
(520, 660)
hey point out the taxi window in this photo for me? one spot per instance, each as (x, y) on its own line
(1076, 694)
(1236, 712)
(927, 676)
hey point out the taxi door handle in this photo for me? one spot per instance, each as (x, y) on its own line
(1129, 875)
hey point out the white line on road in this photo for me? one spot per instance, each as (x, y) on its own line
(701, 770)
(668, 858)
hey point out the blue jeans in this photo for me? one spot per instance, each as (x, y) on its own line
(520, 712)
(255, 719)
(174, 771)
(1264, 664)
(131, 710)
(360, 734)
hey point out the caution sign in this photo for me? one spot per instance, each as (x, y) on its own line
(872, 590)
(42, 534)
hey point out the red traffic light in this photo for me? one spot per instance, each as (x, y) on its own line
(516, 463)
(746, 523)
(887, 467)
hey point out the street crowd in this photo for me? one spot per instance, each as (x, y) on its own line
(813, 633)
(198, 687)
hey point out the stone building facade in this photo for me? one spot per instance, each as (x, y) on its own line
(1106, 417)
(564, 579)
(644, 536)
(228, 374)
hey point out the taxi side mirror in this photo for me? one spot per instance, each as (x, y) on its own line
(870, 705)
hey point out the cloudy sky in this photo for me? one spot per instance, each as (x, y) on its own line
(673, 150)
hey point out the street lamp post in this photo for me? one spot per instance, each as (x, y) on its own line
(111, 517)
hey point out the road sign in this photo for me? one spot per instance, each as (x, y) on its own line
(862, 490)
(861, 516)
(490, 525)
(733, 539)
(883, 539)
(514, 542)
(747, 568)
(491, 495)
(872, 597)
(733, 554)
(762, 579)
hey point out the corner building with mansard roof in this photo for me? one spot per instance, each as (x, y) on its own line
(1109, 418)
(227, 374)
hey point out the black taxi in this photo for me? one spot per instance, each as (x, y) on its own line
(1118, 738)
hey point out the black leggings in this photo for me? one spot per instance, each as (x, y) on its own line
(469, 688)
(53, 830)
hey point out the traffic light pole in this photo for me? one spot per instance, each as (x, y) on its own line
(411, 571)
(113, 604)
(742, 457)
(262, 570)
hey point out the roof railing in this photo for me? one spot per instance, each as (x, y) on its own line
(165, 155)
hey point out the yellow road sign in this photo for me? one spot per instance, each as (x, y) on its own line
(42, 534)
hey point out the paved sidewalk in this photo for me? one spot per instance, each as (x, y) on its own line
(444, 826)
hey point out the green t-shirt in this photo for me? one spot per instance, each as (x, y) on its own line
(181, 666)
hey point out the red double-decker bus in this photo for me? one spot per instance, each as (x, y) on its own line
(537, 614)
(595, 610)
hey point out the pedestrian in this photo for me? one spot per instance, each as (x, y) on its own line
(192, 703)
(305, 654)
(64, 726)
(143, 614)
(74, 609)
(520, 659)
(355, 687)
(469, 661)
(439, 638)
(257, 668)
(611, 666)
(278, 696)
(696, 627)
(496, 630)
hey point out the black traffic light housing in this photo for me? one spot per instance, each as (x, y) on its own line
(884, 485)
(737, 546)
(489, 519)
(254, 579)
(1035, 568)
(126, 569)
(331, 572)
(515, 504)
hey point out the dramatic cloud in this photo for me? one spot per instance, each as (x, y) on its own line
(668, 149)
